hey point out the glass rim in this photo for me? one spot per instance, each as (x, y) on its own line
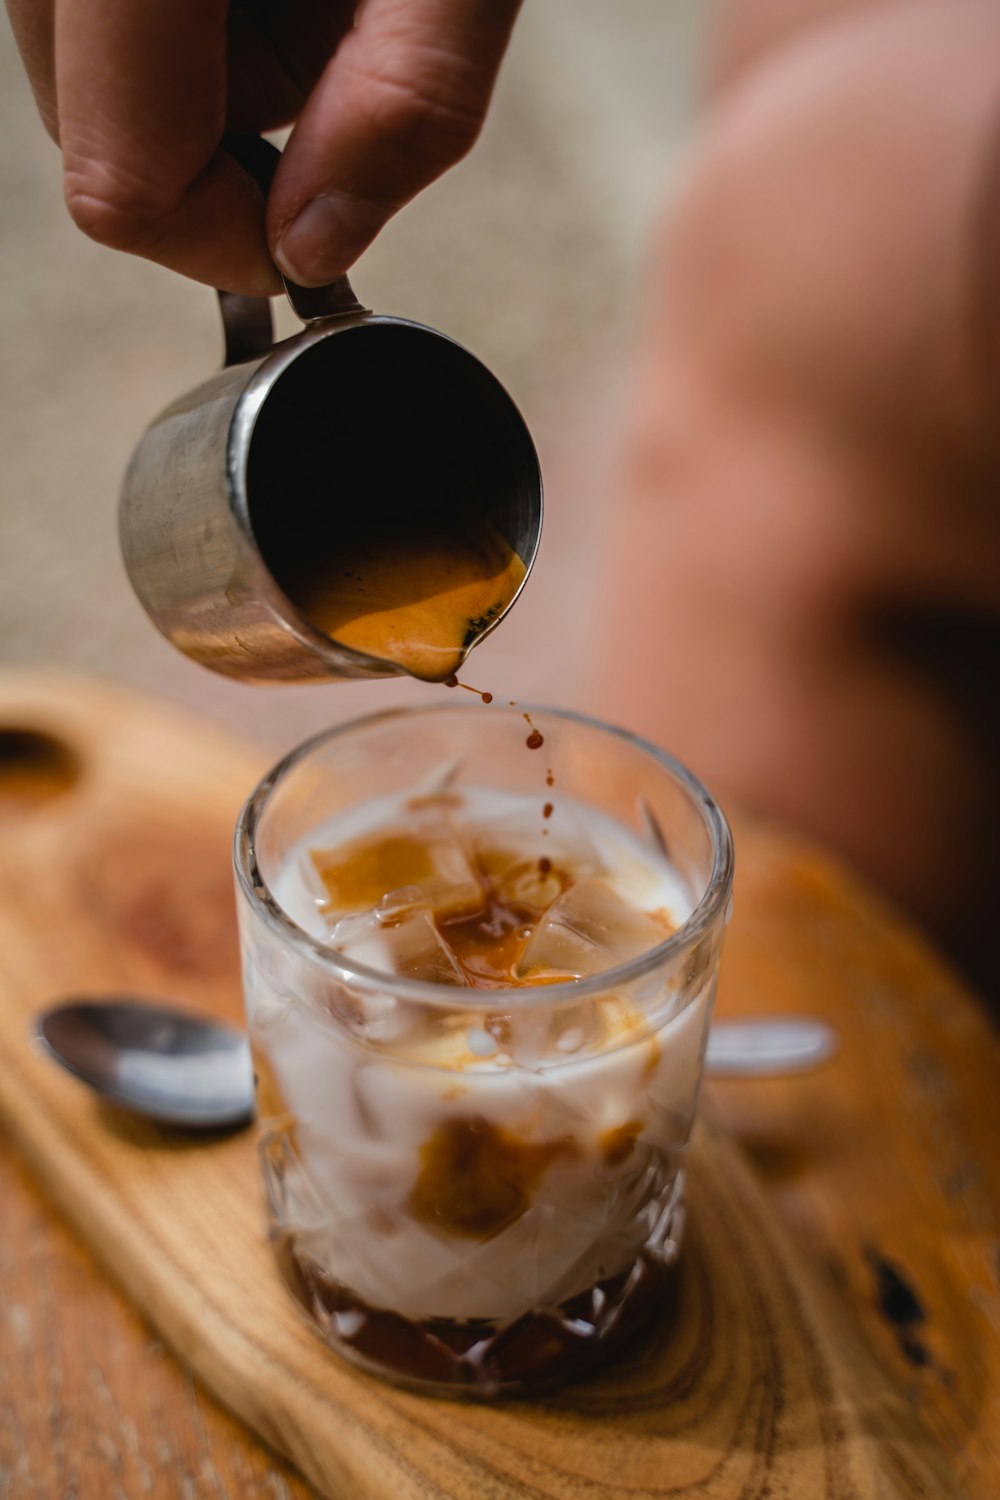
(346, 971)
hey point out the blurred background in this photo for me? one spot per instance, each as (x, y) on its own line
(529, 253)
(739, 264)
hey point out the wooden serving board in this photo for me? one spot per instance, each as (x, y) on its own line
(777, 1369)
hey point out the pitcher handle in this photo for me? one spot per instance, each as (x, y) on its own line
(246, 321)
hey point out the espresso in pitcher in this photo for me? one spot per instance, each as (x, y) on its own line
(415, 595)
(399, 526)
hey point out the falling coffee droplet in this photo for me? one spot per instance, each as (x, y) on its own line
(544, 865)
(454, 682)
(550, 779)
(535, 739)
(547, 810)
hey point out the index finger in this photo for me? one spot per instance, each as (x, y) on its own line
(33, 24)
(142, 98)
(402, 99)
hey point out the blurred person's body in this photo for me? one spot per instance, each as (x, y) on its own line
(807, 583)
(746, 31)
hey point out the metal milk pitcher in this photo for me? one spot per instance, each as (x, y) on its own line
(356, 411)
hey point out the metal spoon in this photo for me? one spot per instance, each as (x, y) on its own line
(182, 1069)
(166, 1064)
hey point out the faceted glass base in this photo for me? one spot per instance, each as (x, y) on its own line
(484, 1358)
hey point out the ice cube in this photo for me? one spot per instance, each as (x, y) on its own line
(399, 936)
(588, 929)
(530, 858)
(541, 1038)
(424, 852)
(437, 781)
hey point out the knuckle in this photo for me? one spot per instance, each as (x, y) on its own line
(437, 115)
(111, 210)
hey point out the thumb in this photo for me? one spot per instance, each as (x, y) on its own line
(402, 99)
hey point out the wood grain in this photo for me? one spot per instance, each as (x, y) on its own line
(93, 1404)
(757, 1381)
(885, 1166)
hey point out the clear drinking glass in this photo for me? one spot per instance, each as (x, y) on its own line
(474, 1191)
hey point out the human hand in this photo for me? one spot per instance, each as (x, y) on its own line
(139, 96)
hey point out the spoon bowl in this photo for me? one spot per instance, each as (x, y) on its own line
(155, 1060)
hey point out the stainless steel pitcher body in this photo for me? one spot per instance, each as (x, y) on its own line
(353, 407)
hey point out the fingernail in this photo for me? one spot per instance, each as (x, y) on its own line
(326, 238)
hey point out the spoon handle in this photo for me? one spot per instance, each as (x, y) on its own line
(759, 1047)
